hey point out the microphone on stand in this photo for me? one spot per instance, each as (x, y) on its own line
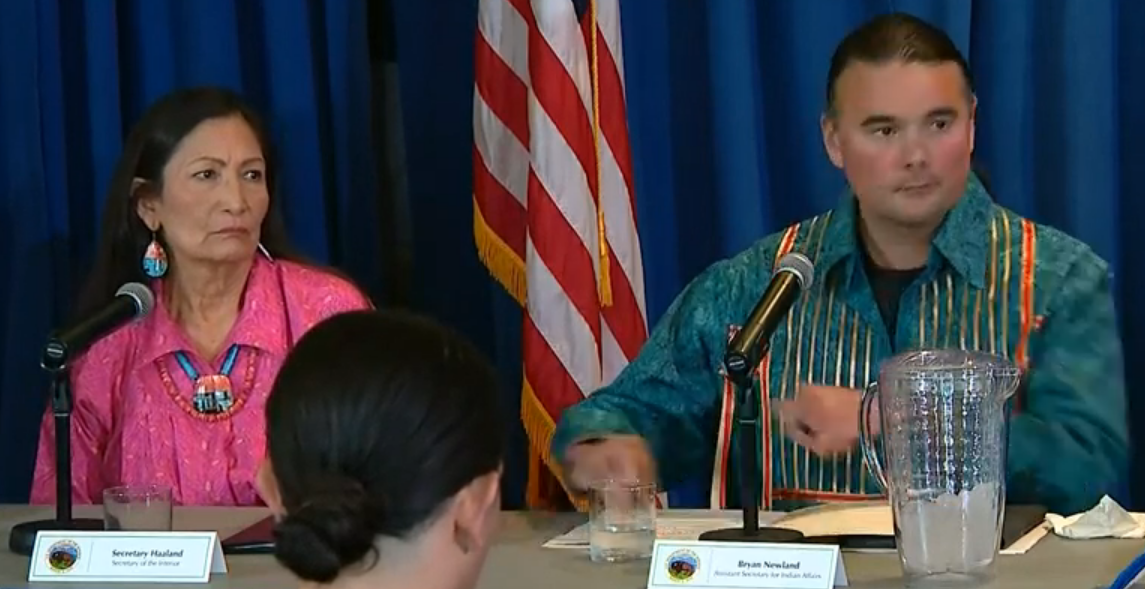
(132, 301)
(793, 274)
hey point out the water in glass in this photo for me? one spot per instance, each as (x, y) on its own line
(622, 521)
(944, 423)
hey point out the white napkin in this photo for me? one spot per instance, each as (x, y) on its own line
(1106, 520)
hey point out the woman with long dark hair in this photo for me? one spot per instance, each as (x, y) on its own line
(176, 398)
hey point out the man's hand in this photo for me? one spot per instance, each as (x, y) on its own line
(624, 458)
(825, 419)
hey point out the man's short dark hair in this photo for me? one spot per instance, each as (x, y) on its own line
(890, 37)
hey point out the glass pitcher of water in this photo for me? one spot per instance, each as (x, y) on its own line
(944, 424)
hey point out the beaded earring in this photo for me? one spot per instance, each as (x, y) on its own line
(155, 258)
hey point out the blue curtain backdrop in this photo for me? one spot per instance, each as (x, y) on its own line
(75, 74)
(724, 100)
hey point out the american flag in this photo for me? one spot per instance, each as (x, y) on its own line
(554, 209)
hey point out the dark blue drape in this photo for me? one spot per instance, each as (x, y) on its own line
(74, 76)
(435, 68)
(724, 101)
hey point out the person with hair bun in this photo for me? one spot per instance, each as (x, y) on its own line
(384, 443)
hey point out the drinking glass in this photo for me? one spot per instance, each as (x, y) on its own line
(137, 508)
(622, 520)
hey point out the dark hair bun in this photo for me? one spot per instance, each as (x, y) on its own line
(332, 530)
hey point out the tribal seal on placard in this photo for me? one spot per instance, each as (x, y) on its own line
(63, 555)
(682, 565)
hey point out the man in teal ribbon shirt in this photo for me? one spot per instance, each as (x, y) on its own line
(917, 255)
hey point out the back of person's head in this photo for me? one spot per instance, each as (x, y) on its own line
(891, 37)
(382, 428)
(139, 172)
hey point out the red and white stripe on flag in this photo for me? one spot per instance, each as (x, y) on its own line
(554, 208)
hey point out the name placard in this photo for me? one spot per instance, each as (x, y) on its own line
(126, 557)
(736, 565)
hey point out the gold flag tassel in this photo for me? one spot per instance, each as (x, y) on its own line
(605, 283)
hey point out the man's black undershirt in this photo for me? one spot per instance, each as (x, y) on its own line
(888, 285)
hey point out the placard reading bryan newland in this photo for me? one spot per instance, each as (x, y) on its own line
(728, 565)
(167, 557)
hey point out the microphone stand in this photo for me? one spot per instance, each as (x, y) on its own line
(740, 369)
(22, 538)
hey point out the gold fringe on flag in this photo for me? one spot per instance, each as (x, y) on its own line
(506, 267)
(539, 428)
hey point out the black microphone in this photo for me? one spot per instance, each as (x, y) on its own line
(133, 300)
(793, 274)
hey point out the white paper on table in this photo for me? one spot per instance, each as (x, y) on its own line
(667, 528)
(1025, 543)
(867, 518)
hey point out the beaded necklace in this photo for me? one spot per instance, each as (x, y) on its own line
(213, 395)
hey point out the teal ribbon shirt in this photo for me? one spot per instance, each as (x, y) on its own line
(994, 282)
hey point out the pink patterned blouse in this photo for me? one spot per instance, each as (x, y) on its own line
(133, 422)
